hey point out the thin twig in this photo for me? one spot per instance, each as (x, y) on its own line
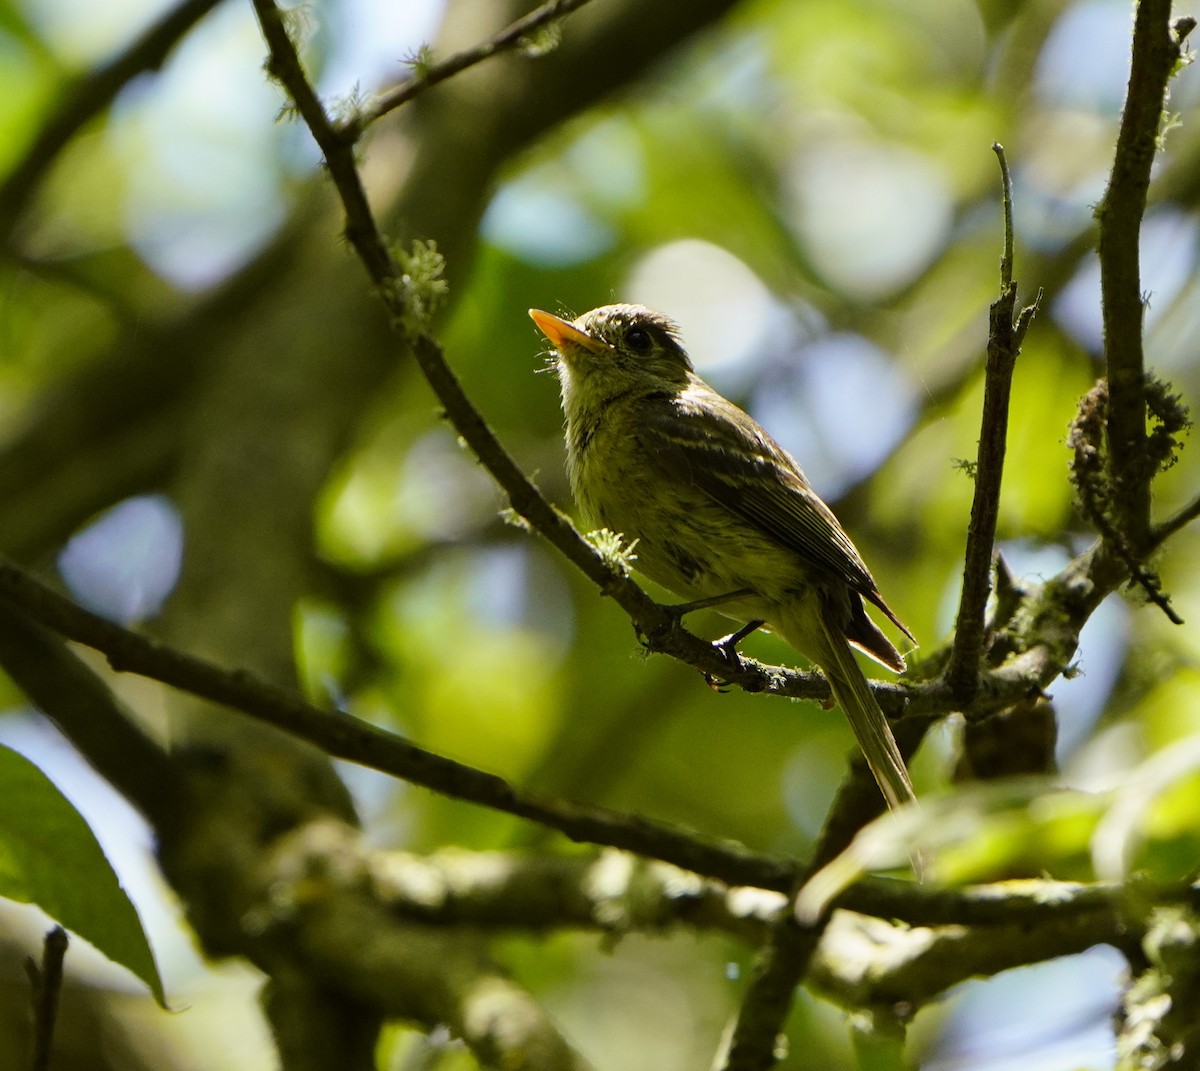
(47, 982)
(1172, 525)
(346, 737)
(1006, 331)
(1156, 52)
(284, 65)
(1144, 578)
(1006, 258)
(512, 36)
(86, 98)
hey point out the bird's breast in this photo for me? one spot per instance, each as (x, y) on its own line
(686, 541)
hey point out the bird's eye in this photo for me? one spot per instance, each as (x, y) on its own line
(638, 338)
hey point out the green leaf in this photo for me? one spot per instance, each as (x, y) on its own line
(988, 831)
(49, 857)
(1150, 826)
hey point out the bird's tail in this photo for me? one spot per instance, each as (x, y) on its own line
(870, 726)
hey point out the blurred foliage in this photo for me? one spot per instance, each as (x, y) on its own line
(829, 165)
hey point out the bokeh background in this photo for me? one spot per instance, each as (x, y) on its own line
(195, 382)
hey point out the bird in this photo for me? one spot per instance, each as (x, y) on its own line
(716, 510)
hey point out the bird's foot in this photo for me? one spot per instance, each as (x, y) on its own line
(727, 645)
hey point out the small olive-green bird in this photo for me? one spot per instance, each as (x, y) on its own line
(719, 510)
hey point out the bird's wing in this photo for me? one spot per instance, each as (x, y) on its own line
(702, 439)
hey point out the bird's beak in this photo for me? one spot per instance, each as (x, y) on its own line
(564, 335)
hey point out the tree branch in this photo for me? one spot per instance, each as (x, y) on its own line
(1006, 332)
(1156, 53)
(868, 963)
(607, 890)
(611, 889)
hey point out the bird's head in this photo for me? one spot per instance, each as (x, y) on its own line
(616, 348)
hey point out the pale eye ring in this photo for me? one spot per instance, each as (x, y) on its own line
(638, 338)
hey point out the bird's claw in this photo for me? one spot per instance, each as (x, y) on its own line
(727, 645)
